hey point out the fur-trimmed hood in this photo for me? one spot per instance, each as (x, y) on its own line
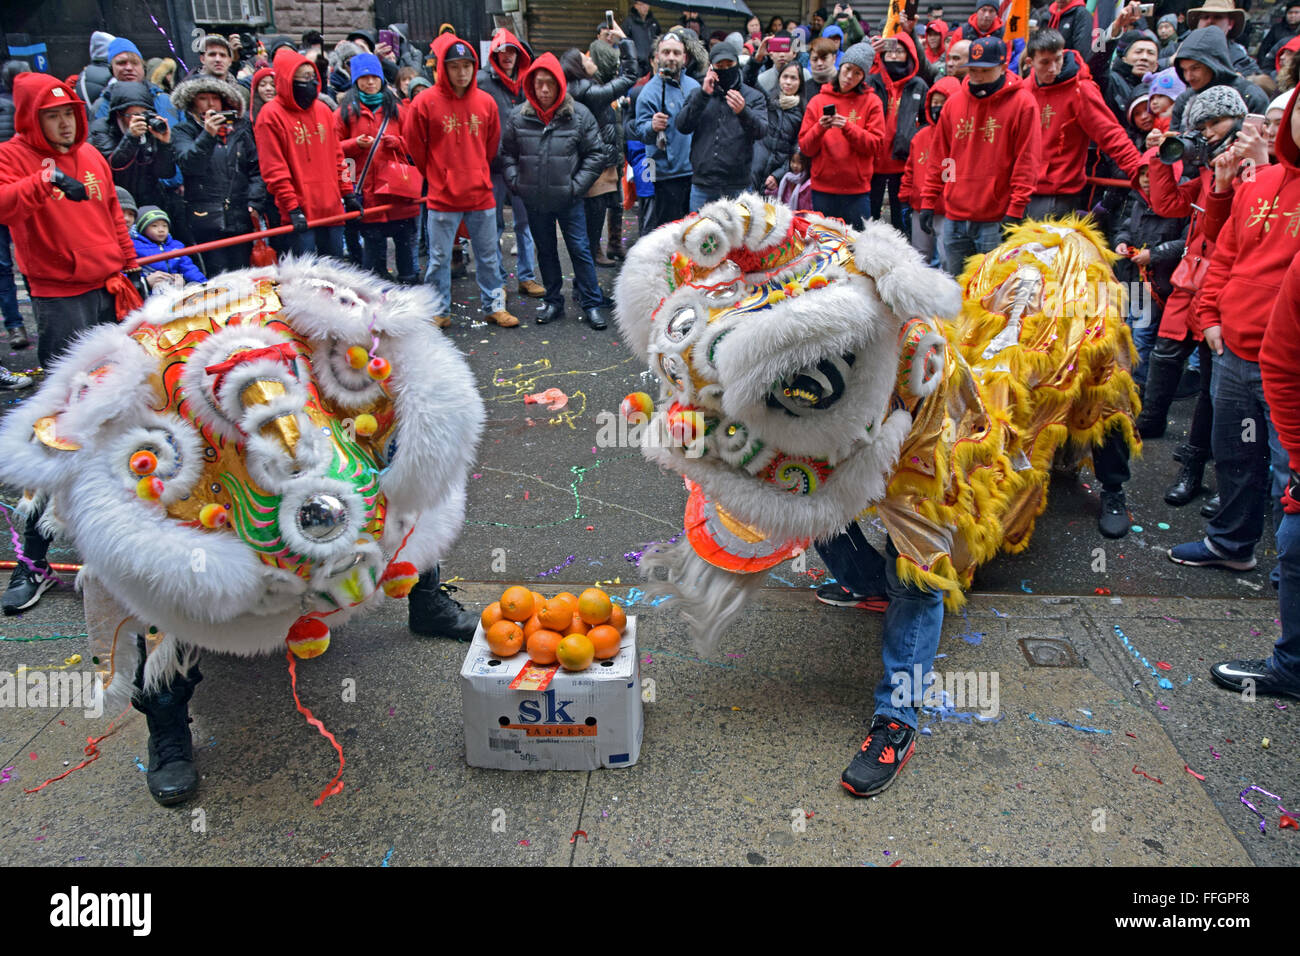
(233, 95)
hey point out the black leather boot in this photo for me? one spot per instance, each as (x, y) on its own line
(614, 228)
(435, 613)
(1211, 507)
(1188, 483)
(1163, 376)
(171, 776)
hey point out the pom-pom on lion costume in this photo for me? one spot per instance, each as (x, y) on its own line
(270, 449)
(811, 372)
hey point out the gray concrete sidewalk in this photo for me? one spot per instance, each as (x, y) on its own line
(736, 749)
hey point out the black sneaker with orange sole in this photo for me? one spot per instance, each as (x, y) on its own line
(881, 759)
(837, 595)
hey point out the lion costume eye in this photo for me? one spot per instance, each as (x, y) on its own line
(813, 387)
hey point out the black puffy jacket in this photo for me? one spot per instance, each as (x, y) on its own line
(6, 117)
(599, 98)
(221, 177)
(552, 166)
(773, 154)
(722, 144)
(137, 166)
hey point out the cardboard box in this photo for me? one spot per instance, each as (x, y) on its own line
(551, 719)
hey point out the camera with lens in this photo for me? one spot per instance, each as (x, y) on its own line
(155, 122)
(229, 116)
(1193, 149)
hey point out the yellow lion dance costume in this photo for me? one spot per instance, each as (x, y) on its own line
(811, 372)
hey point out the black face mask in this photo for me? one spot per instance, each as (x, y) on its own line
(935, 110)
(304, 93)
(981, 90)
(728, 79)
(895, 69)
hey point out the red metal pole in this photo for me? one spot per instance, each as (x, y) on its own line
(250, 236)
(1098, 181)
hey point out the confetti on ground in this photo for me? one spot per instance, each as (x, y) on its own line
(325, 856)
(524, 843)
(1162, 682)
(6, 775)
(1145, 774)
(559, 567)
(997, 613)
(140, 766)
(1172, 620)
(1024, 586)
(1215, 754)
(1161, 704)
(1193, 772)
(1062, 722)
(388, 856)
(1263, 820)
(1164, 665)
(1162, 525)
(1101, 591)
(579, 833)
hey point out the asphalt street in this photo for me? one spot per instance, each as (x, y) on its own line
(735, 742)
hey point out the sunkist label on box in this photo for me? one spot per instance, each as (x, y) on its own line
(524, 716)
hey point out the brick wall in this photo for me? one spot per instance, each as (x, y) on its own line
(292, 17)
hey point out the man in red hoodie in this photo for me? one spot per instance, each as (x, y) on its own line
(984, 22)
(58, 200)
(985, 158)
(301, 157)
(1279, 675)
(453, 131)
(508, 60)
(935, 44)
(1256, 246)
(1072, 113)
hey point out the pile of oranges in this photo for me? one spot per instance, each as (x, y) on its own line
(571, 629)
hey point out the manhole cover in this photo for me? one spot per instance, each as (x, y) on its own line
(1049, 652)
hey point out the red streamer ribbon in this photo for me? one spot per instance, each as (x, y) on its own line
(91, 751)
(335, 785)
(1147, 775)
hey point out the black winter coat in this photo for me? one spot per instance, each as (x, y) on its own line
(599, 99)
(137, 167)
(911, 100)
(551, 167)
(772, 154)
(6, 117)
(722, 146)
(1143, 229)
(642, 33)
(221, 178)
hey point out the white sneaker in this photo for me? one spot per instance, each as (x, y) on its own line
(13, 381)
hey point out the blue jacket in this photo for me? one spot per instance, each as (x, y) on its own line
(657, 96)
(180, 265)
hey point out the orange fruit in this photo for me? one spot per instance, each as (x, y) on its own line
(617, 618)
(539, 600)
(556, 614)
(517, 603)
(570, 599)
(505, 638)
(531, 625)
(575, 652)
(594, 606)
(606, 640)
(541, 646)
(577, 626)
(491, 614)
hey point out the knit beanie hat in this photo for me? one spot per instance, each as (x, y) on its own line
(1214, 103)
(150, 214)
(860, 55)
(1281, 101)
(365, 64)
(1169, 18)
(1165, 83)
(724, 51)
(126, 200)
(122, 45)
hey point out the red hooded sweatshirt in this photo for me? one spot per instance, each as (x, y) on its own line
(64, 248)
(1256, 246)
(298, 150)
(968, 30)
(523, 61)
(919, 157)
(1280, 370)
(843, 159)
(885, 162)
(349, 127)
(1072, 114)
(1293, 45)
(454, 138)
(941, 28)
(994, 143)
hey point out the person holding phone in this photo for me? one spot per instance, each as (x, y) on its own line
(843, 128)
(668, 150)
(725, 118)
(217, 155)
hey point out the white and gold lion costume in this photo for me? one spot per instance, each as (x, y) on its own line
(811, 372)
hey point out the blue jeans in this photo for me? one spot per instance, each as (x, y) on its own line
(1241, 466)
(8, 287)
(572, 223)
(1285, 661)
(1146, 329)
(961, 240)
(913, 622)
(323, 240)
(853, 208)
(482, 227)
(526, 262)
